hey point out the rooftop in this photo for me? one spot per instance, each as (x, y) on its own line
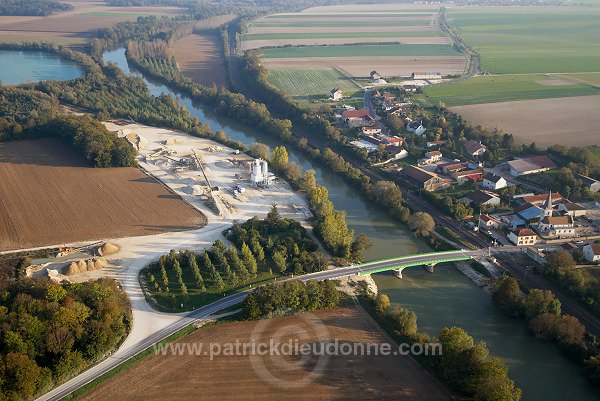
(418, 174)
(524, 232)
(356, 114)
(492, 177)
(557, 220)
(473, 146)
(525, 164)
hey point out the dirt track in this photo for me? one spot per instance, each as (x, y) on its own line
(386, 66)
(200, 57)
(49, 196)
(570, 121)
(186, 377)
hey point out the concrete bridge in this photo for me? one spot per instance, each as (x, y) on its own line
(429, 260)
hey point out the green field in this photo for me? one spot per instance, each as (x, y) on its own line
(532, 40)
(361, 50)
(349, 24)
(357, 14)
(503, 88)
(338, 35)
(304, 83)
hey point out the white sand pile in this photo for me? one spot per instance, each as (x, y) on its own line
(173, 141)
(138, 142)
(82, 266)
(108, 249)
(214, 149)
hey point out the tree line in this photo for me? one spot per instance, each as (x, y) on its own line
(546, 322)
(32, 7)
(30, 114)
(279, 299)
(462, 363)
(51, 332)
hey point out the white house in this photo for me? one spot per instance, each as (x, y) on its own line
(416, 127)
(493, 181)
(375, 75)
(371, 130)
(474, 148)
(431, 157)
(486, 222)
(522, 236)
(557, 226)
(336, 94)
(592, 253)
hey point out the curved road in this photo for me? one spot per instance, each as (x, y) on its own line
(205, 311)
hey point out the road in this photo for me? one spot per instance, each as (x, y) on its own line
(184, 320)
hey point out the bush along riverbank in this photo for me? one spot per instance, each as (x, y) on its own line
(462, 363)
(541, 311)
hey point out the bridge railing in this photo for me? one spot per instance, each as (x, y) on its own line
(411, 264)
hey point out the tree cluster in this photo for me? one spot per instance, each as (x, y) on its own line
(32, 7)
(290, 297)
(282, 244)
(51, 332)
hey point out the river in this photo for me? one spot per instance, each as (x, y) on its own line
(19, 67)
(446, 298)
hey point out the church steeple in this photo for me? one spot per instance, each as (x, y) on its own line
(548, 205)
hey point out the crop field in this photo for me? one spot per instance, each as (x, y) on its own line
(360, 51)
(532, 40)
(49, 196)
(74, 27)
(590, 78)
(393, 39)
(303, 83)
(362, 66)
(505, 88)
(570, 121)
(241, 376)
(200, 57)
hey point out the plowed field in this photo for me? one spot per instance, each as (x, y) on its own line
(49, 196)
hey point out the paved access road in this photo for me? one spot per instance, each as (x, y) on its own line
(113, 361)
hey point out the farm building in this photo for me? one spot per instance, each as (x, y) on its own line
(572, 209)
(474, 148)
(530, 165)
(592, 184)
(358, 118)
(493, 181)
(375, 75)
(592, 252)
(422, 178)
(426, 75)
(529, 212)
(480, 197)
(538, 199)
(336, 94)
(464, 176)
(416, 127)
(522, 236)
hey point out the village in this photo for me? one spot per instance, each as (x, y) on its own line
(498, 199)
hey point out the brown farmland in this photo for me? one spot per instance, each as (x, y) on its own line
(200, 57)
(75, 26)
(228, 377)
(416, 40)
(49, 196)
(387, 66)
(571, 121)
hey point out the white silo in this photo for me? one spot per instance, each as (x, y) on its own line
(256, 175)
(265, 169)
